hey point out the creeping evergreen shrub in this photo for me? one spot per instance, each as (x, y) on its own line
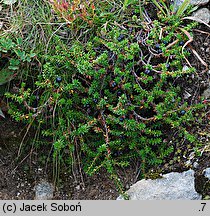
(114, 98)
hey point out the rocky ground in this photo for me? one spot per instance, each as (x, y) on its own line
(19, 177)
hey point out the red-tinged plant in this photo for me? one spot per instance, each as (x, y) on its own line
(71, 10)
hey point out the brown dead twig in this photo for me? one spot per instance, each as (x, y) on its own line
(203, 32)
(200, 21)
(106, 135)
(194, 52)
(38, 110)
(142, 118)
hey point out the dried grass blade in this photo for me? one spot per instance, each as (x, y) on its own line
(197, 20)
(201, 60)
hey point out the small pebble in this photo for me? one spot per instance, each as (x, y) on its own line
(78, 187)
(195, 165)
(44, 191)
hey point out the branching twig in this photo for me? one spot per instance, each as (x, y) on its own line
(120, 26)
(203, 32)
(136, 78)
(201, 60)
(194, 52)
(38, 110)
(171, 44)
(106, 133)
(29, 126)
(142, 118)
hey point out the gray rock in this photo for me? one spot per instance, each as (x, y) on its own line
(206, 93)
(44, 191)
(207, 173)
(199, 2)
(178, 3)
(195, 164)
(202, 14)
(173, 186)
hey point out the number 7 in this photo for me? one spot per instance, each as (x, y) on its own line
(204, 204)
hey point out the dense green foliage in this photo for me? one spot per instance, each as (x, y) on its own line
(111, 96)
